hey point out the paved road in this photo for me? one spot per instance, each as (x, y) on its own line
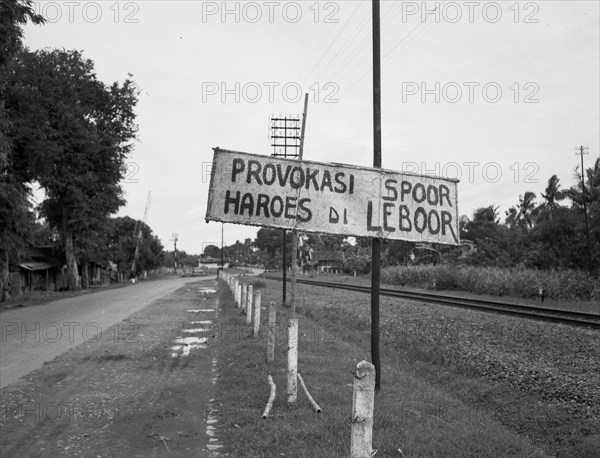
(29, 336)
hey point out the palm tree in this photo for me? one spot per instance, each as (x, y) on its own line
(526, 207)
(511, 217)
(487, 214)
(587, 195)
(590, 191)
(552, 196)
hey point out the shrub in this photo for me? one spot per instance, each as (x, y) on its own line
(496, 281)
(258, 284)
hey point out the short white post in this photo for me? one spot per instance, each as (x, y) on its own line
(244, 296)
(271, 335)
(363, 402)
(249, 297)
(238, 296)
(292, 369)
(257, 299)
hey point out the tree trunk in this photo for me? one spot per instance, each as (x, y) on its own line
(5, 285)
(73, 282)
(85, 275)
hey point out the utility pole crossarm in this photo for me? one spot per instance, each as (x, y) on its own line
(280, 127)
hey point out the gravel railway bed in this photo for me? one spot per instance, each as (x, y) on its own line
(526, 311)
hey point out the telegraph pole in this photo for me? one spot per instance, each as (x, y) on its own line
(294, 232)
(376, 243)
(580, 152)
(280, 127)
(174, 239)
(222, 254)
(139, 234)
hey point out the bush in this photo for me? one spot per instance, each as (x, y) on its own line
(447, 279)
(258, 284)
(495, 281)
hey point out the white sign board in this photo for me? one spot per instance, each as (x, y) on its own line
(331, 198)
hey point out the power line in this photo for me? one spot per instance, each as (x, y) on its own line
(368, 71)
(332, 42)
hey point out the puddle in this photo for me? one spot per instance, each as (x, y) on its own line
(201, 322)
(207, 291)
(196, 330)
(187, 344)
(191, 340)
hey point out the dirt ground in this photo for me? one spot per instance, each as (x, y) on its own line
(127, 394)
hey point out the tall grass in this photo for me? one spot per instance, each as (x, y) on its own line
(495, 281)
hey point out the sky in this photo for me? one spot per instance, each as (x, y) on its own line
(496, 94)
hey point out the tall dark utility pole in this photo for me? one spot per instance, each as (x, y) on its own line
(294, 232)
(280, 127)
(174, 239)
(581, 151)
(376, 243)
(222, 254)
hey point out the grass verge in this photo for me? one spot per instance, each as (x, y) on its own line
(415, 415)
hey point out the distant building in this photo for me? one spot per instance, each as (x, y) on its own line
(327, 261)
(40, 270)
(99, 273)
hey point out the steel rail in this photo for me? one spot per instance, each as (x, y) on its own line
(528, 311)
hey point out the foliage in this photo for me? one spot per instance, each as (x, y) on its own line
(545, 236)
(183, 259)
(242, 253)
(16, 216)
(122, 242)
(72, 134)
(14, 14)
(518, 282)
(212, 251)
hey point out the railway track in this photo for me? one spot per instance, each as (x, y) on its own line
(526, 311)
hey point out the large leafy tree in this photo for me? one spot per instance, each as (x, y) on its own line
(72, 134)
(16, 218)
(270, 242)
(14, 14)
(495, 244)
(123, 237)
(558, 242)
